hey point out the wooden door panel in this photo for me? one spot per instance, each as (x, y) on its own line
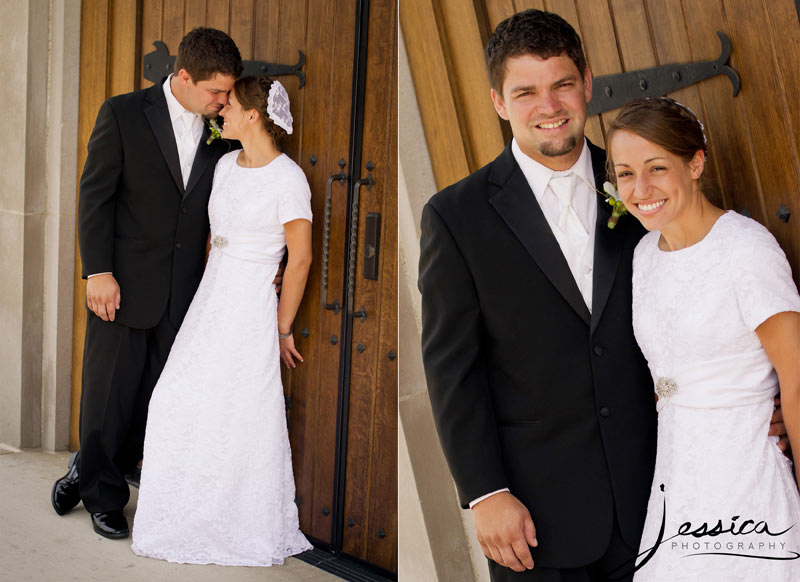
(217, 12)
(243, 25)
(383, 505)
(313, 386)
(172, 24)
(724, 120)
(195, 14)
(367, 493)
(766, 104)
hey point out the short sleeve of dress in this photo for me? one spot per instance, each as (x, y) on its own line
(295, 199)
(762, 277)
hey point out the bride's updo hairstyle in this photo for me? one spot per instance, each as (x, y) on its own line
(662, 121)
(253, 93)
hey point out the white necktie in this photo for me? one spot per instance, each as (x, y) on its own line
(186, 145)
(563, 187)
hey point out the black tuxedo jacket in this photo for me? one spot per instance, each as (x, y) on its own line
(529, 391)
(135, 218)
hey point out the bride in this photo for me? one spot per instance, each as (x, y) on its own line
(217, 484)
(715, 312)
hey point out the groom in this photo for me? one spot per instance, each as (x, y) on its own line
(542, 399)
(142, 229)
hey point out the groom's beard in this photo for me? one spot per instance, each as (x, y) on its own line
(555, 149)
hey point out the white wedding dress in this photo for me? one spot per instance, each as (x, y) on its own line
(217, 484)
(694, 315)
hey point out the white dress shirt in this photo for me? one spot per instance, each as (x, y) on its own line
(188, 129)
(578, 250)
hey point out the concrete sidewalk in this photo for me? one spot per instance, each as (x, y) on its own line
(36, 545)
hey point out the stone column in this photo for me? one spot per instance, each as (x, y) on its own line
(37, 215)
(60, 209)
(436, 537)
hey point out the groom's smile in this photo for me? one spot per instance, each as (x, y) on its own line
(549, 125)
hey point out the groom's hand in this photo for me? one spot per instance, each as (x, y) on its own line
(505, 530)
(778, 429)
(103, 296)
(278, 280)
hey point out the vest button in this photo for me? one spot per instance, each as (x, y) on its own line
(604, 411)
(599, 350)
(178, 245)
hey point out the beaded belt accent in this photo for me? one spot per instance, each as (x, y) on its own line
(219, 241)
(665, 387)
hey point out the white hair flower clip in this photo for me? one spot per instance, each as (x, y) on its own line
(278, 107)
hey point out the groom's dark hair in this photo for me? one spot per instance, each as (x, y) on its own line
(536, 32)
(203, 52)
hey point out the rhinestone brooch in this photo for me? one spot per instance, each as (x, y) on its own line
(665, 387)
(219, 241)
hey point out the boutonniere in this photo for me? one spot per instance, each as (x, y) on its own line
(216, 132)
(617, 207)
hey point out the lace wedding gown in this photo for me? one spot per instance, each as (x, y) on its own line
(694, 315)
(217, 484)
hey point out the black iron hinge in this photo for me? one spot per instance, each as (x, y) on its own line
(613, 91)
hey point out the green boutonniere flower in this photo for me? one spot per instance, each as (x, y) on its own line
(618, 208)
(216, 132)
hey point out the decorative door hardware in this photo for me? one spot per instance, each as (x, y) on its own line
(372, 236)
(369, 182)
(341, 177)
(783, 213)
(613, 91)
(159, 63)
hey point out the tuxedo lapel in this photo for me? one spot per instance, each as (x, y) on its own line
(157, 115)
(202, 158)
(517, 206)
(607, 242)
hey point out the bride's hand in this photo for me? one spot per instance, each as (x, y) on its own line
(289, 352)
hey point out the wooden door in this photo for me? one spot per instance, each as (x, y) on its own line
(341, 401)
(753, 139)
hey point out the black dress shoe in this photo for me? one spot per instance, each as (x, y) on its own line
(110, 524)
(66, 491)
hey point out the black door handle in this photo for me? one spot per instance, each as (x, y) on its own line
(341, 177)
(369, 182)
